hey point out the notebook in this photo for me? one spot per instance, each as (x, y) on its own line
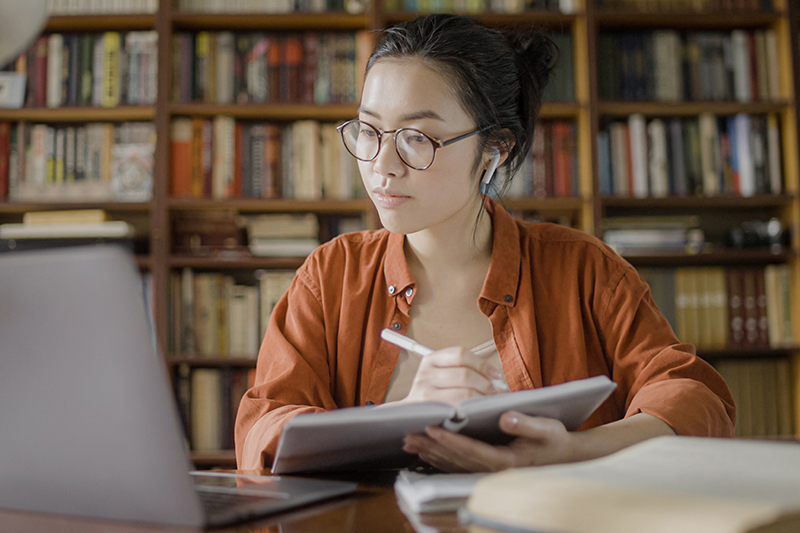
(89, 426)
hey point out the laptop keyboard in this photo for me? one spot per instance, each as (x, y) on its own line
(222, 504)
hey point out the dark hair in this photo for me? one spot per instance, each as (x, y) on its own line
(498, 76)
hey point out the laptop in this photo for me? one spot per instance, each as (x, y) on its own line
(88, 425)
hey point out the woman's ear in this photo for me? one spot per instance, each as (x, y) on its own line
(499, 154)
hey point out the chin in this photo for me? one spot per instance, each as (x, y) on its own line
(397, 223)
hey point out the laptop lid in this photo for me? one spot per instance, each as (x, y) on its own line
(88, 424)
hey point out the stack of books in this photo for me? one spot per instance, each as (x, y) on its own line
(654, 235)
(56, 229)
(283, 235)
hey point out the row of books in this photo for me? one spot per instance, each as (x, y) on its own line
(762, 392)
(700, 6)
(310, 67)
(208, 400)
(272, 6)
(101, 7)
(710, 155)
(673, 66)
(210, 315)
(88, 69)
(654, 235)
(222, 158)
(479, 6)
(550, 169)
(716, 308)
(98, 161)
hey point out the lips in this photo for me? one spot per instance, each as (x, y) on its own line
(388, 198)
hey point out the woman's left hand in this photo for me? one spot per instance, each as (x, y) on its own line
(539, 441)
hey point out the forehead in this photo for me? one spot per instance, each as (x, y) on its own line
(395, 88)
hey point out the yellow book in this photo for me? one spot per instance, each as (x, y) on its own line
(112, 45)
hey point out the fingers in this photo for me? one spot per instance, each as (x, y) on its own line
(461, 357)
(532, 427)
(453, 452)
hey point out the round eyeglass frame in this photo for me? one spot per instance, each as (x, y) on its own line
(437, 143)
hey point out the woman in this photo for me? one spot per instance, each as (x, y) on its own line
(503, 302)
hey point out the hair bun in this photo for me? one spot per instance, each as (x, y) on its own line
(537, 53)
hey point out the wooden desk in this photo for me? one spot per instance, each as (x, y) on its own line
(373, 508)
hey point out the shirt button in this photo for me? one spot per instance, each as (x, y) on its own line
(369, 403)
(396, 326)
(392, 289)
(508, 298)
(409, 292)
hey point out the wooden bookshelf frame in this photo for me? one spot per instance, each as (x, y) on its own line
(588, 209)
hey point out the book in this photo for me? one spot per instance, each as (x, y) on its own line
(661, 485)
(434, 493)
(111, 229)
(75, 216)
(372, 437)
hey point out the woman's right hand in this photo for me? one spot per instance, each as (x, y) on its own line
(452, 375)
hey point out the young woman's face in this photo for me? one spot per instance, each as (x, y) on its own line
(404, 93)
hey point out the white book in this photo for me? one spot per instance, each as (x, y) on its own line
(282, 247)
(744, 155)
(373, 436)
(434, 493)
(619, 154)
(741, 66)
(38, 165)
(111, 229)
(55, 45)
(638, 146)
(224, 131)
(661, 485)
(659, 179)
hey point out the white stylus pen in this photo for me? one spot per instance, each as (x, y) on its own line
(406, 343)
(410, 345)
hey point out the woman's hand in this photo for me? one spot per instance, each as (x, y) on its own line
(539, 441)
(452, 375)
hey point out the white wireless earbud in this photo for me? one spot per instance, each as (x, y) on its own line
(487, 177)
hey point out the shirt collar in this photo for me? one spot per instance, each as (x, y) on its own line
(501, 282)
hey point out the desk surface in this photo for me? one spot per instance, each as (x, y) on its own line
(373, 508)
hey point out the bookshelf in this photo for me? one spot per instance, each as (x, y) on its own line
(587, 209)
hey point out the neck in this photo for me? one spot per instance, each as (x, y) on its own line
(454, 244)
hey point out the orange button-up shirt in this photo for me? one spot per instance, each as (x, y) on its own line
(562, 305)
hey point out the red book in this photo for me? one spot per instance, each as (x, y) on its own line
(272, 161)
(197, 158)
(749, 300)
(761, 306)
(735, 307)
(207, 159)
(547, 133)
(629, 160)
(237, 161)
(751, 49)
(40, 93)
(274, 69)
(181, 158)
(291, 71)
(311, 47)
(561, 162)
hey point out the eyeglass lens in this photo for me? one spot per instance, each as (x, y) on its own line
(363, 141)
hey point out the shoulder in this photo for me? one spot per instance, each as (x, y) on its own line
(359, 252)
(571, 249)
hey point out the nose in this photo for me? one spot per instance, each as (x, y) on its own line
(388, 163)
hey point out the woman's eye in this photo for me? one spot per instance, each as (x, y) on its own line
(416, 139)
(367, 132)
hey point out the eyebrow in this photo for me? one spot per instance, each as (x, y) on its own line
(413, 116)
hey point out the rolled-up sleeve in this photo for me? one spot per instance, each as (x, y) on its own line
(659, 375)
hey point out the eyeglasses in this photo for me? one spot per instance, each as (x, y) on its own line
(416, 149)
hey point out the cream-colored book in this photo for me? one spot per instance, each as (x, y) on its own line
(664, 485)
